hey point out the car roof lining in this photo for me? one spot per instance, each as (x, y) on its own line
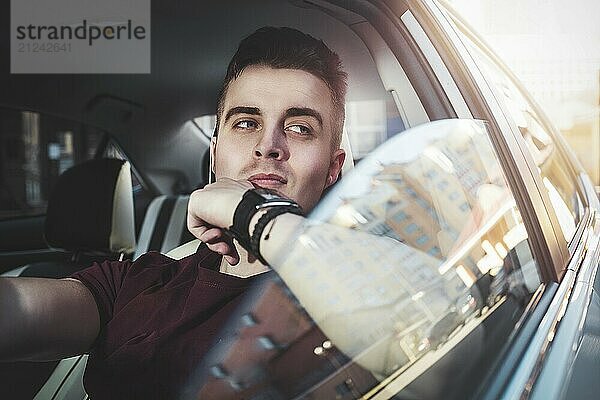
(182, 83)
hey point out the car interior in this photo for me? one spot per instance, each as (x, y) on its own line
(101, 166)
(157, 126)
(155, 120)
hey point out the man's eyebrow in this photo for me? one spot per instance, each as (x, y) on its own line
(241, 110)
(304, 111)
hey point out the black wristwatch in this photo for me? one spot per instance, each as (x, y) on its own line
(252, 202)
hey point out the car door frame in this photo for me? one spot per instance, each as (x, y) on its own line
(537, 368)
(546, 237)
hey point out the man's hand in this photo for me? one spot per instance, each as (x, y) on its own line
(211, 209)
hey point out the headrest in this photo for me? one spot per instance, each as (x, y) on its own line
(91, 208)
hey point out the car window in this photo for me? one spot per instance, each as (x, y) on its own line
(554, 170)
(34, 150)
(206, 125)
(370, 123)
(407, 279)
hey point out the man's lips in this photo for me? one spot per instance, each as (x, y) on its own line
(267, 180)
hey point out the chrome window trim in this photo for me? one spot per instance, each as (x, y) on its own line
(518, 342)
(579, 231)
(553, 378)
(551, 327)
(528, 369)
(591, 196)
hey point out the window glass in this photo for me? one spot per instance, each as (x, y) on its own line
(390, 285)
(206, 124)
(370, 123)
(559, 183)
(34, 150)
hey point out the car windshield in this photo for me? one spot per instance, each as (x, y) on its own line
(408, 277)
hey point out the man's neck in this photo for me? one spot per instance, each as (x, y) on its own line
(248, 265)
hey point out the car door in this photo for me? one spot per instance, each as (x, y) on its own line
(568, 210)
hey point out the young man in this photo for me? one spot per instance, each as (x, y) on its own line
(280, 122)
(148, 323)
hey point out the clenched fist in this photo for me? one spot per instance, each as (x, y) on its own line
(210, 211)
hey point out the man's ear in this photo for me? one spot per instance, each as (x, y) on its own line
(335, 167)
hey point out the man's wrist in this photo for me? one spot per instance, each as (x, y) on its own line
(278, 236)
(254, 220)
(254, 205)
(266, 219)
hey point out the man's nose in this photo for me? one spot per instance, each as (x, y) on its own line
(272, 144)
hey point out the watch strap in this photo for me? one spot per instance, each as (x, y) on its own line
(251, 202)
(242, 215)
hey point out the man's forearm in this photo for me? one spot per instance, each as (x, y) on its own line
(326, 279)
(42, 319)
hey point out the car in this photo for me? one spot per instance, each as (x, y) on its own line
(462, 217)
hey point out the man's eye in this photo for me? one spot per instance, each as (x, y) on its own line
(300, 129)
(246, 124)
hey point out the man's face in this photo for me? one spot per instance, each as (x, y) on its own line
(276, 132)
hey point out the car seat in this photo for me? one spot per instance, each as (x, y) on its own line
(164, 226)
(90, 216)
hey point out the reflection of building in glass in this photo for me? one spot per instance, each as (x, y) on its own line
(450, 202)
(372, 284)
(427, 202)
(276, 352)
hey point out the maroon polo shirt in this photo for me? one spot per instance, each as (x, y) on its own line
(159, 316)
